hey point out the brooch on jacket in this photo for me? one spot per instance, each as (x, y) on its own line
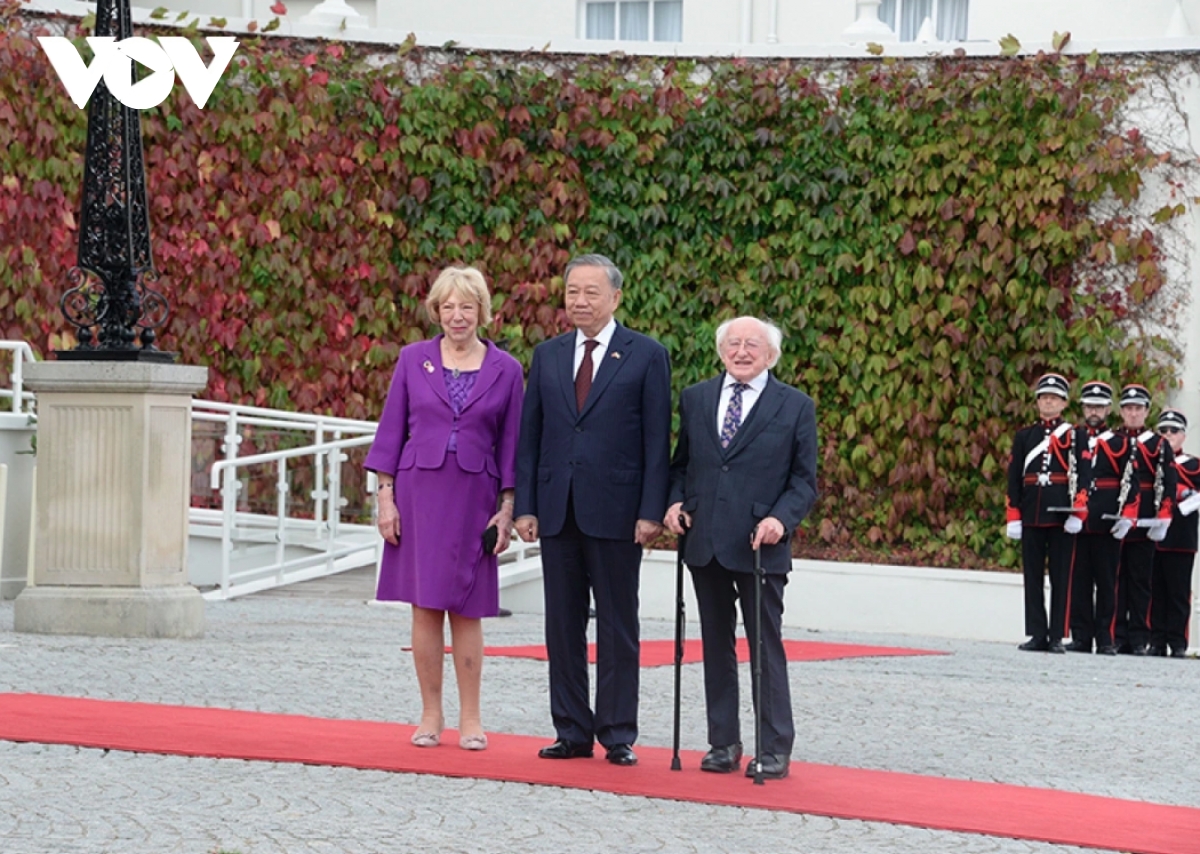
(428, 366)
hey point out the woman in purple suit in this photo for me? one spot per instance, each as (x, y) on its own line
(445, 454)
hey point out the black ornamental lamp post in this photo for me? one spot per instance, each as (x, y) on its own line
(111, 303)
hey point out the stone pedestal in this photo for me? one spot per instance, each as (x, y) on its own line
(113, 478)
(16, 456)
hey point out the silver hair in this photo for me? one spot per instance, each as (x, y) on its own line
(774, 336)
(594, 260)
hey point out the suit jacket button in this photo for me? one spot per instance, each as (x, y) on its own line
(724, 468)
(578, 429)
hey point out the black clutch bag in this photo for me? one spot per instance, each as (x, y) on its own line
(490, 537)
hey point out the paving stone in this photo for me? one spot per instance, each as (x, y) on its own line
(1105, 726)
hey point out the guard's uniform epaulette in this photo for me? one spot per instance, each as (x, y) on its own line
(1182, 536)
(1155, 475)
(1047, 462)
(1110, 455)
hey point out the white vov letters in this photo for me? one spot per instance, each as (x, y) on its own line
(170, 56)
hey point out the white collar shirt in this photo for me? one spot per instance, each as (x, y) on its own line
(603, 339)
(750, 397)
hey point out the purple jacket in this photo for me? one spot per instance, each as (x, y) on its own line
(417, 419)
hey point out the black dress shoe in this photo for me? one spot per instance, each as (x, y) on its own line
(1034, 645)
(722, 760)
(1107, 649)
(773, 767)
(563, 749)
(1124, 649)
(1179, 652)
(621, 754)
(1079, 646)
(1157, 651)
(1139, 650)
(1056, 647)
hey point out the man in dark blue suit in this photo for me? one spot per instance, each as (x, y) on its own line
(743, 476)
(592, 471)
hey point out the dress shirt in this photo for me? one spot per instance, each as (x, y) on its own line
(749, 397)
(602, 339)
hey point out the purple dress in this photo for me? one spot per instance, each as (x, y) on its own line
(451, 444)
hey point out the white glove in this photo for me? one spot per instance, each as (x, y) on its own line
(1121, 528)
(1158, 531)
(1073, 525)
(1189, 504)
(1014, 530)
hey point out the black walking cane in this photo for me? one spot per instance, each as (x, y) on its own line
(758, 583)
(679, 615)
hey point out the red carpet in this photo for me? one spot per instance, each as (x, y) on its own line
(656, 653)
(958, 805)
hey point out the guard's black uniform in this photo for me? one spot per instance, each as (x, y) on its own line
(1094, 566)
(1173, 559)
(1046, 466)
(1154, 474)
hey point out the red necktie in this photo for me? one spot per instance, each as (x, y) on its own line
(583, 378)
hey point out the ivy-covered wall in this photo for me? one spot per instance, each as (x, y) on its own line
(926, 234)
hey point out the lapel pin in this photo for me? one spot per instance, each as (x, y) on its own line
(616, 355)
(428, 366)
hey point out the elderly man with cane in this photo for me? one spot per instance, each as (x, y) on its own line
(743, 476)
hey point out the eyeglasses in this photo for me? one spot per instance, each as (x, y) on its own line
(752, 345)
(1165, 430)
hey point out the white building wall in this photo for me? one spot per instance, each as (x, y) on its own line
(538, 20)
(1086, 20)
(1187, 398)
(796, 21)
(717, 23)
(714, 22)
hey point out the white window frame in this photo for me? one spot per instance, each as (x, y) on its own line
(581, 18)
(934, 12)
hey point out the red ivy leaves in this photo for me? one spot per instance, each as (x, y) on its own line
(299, 220)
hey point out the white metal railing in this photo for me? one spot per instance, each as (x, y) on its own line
(322, 534)
(326, 543)
(20, 401)
(322, 428)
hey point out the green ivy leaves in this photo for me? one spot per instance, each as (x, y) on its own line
(926, 234)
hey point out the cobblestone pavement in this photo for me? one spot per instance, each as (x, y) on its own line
(1104, 726)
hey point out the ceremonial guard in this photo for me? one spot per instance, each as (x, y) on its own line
(1094, 566)
(1147, 486)
(1173, 559)
(1044, 477)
